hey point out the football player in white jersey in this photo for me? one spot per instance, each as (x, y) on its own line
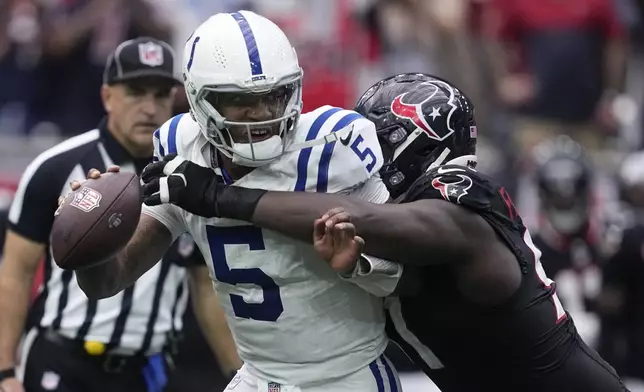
(298, 326)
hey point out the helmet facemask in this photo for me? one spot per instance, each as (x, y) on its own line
(247, 142)
(408, 156)
(568, 215)
(564, 190)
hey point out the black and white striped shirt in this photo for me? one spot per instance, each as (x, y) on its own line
(135, 321)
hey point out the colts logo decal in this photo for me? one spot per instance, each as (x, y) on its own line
(452, 186)
(414, 112)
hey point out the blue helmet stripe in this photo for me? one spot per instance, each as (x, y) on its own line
(251, 44)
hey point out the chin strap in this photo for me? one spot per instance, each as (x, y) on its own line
(439, 161)
(330, 138)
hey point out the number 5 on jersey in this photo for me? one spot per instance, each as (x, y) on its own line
(364, 153)
(218, 237)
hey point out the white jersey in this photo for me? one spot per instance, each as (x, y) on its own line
(293, 319)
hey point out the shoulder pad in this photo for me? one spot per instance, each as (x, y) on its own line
(339, 165)
(175, 136)
(467, 187)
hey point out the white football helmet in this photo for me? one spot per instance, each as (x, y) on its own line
(239, 58)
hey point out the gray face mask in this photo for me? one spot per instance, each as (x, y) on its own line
(566, 221)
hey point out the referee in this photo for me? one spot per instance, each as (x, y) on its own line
(126, 342)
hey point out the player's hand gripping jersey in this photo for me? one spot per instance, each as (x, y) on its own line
(293, 319)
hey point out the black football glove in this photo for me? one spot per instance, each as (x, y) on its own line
(196, 189)
(178, 181)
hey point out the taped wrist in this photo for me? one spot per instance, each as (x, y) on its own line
(238, 203)
(369, 265)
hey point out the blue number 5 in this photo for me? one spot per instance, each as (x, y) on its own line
(218, 238)
(365, 153)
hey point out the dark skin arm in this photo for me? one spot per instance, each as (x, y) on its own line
(147, 246)
(421, 233)
(423, 227)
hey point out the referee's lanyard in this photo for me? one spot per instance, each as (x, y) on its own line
(154, 373)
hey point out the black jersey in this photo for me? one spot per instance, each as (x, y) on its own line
(562, 253)
(574, 263)
(521, 345)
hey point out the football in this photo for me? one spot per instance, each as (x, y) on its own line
(96, 221)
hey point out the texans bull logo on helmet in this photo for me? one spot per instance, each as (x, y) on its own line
(452, 186)
(414, 112)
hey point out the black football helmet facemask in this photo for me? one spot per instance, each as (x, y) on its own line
(564, 180)
(422, 122)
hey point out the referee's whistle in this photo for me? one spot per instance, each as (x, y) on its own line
(94, 348)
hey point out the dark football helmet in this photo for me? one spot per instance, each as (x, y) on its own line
(422, 122)
(630, 180)
(564, 180)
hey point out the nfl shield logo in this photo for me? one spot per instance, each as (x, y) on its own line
(185, 245)
(50, 381)
(151, 54)
(86, 199)
(274, 387)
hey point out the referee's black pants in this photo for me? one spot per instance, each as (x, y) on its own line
(55, 365)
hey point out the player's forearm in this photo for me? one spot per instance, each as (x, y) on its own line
(381, 225)
(289, 213)
(14, 304)
(146, 247)
(101, 281)
(417, 233)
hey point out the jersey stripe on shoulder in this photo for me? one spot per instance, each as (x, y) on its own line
(305, 154)
(327, 152)
(165, 138)
(172, 134)
(65, 147)
(159, 151)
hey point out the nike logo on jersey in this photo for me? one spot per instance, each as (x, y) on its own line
(443, 170)
(345, 140)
